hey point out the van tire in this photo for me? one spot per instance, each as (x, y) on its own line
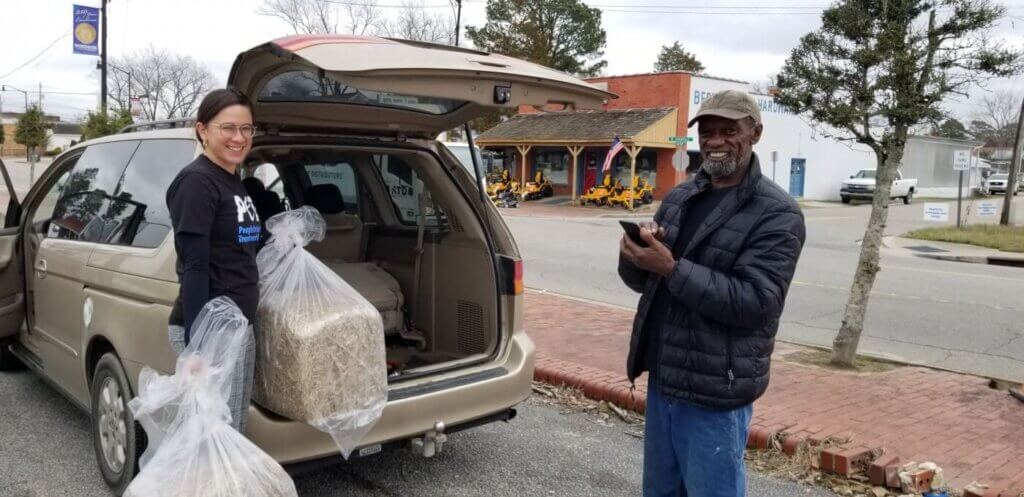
(909, 198)
(110, 394)
(845, 199)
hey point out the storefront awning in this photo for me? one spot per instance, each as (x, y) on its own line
(637, 127)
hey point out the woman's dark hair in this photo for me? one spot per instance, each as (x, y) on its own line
(218, 100)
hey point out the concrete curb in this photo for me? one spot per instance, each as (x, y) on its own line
(995, 257)
(831, 452)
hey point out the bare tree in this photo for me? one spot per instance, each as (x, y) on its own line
(765, 85)
(996, 122)
(170, 85)
(322, 16)
(365, 18)
(304, 16)
(415, 23)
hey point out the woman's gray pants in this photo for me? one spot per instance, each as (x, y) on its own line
(241, 380)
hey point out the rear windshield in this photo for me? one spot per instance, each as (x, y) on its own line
(305, 86)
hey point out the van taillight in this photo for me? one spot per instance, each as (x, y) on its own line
(512, 274)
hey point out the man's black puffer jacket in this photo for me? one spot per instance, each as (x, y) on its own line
(719, 331)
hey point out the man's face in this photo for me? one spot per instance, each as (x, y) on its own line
(726, 145)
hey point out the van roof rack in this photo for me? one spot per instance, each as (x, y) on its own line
(183, 122)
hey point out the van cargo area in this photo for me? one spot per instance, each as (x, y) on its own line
(401, 233)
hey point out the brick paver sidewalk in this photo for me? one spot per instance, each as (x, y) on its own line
(972, 432)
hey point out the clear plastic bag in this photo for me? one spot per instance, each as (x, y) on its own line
(320, 354)
(193, 450)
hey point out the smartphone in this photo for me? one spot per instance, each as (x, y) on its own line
(633, 230)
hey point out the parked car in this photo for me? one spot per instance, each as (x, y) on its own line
(862, 186)
(87, 260)
(997, 184)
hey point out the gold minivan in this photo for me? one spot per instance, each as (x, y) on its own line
(347, 125)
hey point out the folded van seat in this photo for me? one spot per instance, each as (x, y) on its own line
(376, 286)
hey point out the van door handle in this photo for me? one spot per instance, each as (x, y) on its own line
(41, 268)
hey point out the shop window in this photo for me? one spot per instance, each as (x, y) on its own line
(555, 164)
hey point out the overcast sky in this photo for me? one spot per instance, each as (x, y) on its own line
(737, 39)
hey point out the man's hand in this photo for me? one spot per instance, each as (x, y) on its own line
(656, 257)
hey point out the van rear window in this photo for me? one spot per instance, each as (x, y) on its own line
(305, 86)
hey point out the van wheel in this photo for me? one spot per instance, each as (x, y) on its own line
(845, 200)
(908, 199)
(8, 362)
(117, 439)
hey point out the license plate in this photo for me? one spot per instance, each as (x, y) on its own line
(369, 451)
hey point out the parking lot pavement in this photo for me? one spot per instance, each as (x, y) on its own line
(46, 450)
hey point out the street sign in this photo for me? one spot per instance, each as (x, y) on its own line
(136, 106)
(988, 209)
(961, 160)
(679, 140)
(936, 212)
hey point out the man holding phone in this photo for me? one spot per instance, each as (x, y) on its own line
(718, 261)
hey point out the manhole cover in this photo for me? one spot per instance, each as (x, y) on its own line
(926, 249)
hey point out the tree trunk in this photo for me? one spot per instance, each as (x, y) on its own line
(844, 347)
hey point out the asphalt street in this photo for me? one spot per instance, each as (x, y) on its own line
(46, 450)
(958, 316)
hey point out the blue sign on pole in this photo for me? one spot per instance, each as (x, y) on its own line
(85, 30)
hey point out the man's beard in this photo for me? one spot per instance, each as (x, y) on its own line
(720, 168)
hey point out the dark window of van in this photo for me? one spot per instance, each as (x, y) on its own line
(339, 174)
(137, 214)
(84, 194)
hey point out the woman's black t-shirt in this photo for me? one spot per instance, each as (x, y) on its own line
(206, 200)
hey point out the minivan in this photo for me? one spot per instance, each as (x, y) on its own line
(87, 260)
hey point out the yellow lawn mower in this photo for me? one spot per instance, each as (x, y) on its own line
(598, 195)
(642, 192)
(540, 187)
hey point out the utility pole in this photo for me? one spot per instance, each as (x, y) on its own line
(1015, 160)
(458, 21)
(103, 56)
(41, 98)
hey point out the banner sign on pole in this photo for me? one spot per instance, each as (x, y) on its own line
(988, 209)
(86, 29)
(936, 212)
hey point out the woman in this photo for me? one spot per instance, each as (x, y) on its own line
(217, 231)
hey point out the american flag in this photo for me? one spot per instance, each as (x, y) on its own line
(616, 148)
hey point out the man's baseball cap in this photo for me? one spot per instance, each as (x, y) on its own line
(730, 104)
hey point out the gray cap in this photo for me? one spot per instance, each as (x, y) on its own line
(730, 104)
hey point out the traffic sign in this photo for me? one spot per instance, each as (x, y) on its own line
(961, 160)
(679, 140)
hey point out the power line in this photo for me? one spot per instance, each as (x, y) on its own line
(40, 54)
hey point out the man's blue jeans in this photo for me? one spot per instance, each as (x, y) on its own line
(692, 451)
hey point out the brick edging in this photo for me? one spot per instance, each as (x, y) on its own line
(841, 458)
(596, 384)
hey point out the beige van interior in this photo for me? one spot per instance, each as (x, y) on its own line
(400, 232)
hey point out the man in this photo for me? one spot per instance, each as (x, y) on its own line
(720, 256)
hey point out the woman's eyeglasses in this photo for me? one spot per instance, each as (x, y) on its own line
(229, 130)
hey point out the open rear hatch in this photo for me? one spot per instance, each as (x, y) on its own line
(392, 87)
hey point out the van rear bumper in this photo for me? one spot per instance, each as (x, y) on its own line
(483, 393)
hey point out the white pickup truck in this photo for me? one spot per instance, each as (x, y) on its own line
(862, 186)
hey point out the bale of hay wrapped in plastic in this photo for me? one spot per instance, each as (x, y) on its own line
(320, 345)
(193, 450)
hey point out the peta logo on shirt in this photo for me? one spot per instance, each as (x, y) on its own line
(250, 232)
(246, 209)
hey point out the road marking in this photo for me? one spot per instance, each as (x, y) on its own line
(954, 273)
(910, 297)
